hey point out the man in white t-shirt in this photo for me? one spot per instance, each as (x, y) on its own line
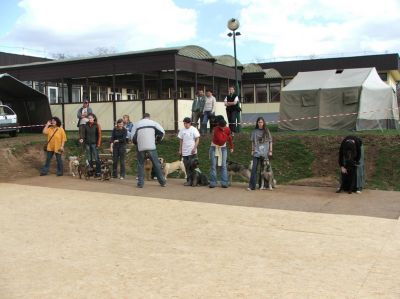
(189, 138)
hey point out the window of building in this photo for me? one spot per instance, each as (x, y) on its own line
(94, 91)
(248, 93)
(102, 94)
(76, 94)
(275, 92)
(52, 94)
(115, 95)
(132, 94)
(261, 93)
(184, 92)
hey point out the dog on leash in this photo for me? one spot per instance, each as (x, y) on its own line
(235, 168)
(198, 178)
(73, 165)
(148, 166)
(88, 170)
(168, 168)
(267, 176)
(105, 168)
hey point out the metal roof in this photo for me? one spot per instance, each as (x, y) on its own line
(18, 89)
(227, 60)
(252, 68)
(382, 62)
(190, 51)
(196, 52)
(271, 74)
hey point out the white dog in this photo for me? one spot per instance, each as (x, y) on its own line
(168, 168)
(73, 165)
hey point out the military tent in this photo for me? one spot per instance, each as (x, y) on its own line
(352, 99)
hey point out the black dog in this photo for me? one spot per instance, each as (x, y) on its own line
(197, 177)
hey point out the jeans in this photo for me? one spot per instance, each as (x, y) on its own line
(187, 161)
(119, 152)
(213, 170)
(45, 168)
(253, 178)
(92, 153)
(231, 114)
(156, 167)
(197, 118)
(206, 116)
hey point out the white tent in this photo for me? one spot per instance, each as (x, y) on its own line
(355, 99)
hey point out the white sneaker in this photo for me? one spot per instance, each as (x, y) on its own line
(358, 192)
(121, 178)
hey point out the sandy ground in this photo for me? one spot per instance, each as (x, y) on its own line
(69, 238)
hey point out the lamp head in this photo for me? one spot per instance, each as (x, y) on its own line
(233, 24)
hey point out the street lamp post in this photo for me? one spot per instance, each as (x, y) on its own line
(233, 25)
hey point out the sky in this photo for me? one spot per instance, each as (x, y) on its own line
(271, 30)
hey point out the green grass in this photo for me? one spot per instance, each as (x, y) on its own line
(291, 161)
(297, 155)
(387, 173)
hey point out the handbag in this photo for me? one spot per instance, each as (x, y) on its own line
(47, 143)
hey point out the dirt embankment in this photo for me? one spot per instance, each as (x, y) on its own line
(21, 157)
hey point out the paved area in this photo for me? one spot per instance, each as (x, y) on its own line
(68, 238)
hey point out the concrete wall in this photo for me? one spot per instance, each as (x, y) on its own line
(161, 111)
(250, 112)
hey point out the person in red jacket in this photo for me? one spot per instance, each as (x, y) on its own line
(219, 153)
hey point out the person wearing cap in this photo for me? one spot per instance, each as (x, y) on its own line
(82, 116)
(189, 138)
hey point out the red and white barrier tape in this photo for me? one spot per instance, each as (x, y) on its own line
(252, 123)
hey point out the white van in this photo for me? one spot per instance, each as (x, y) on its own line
(8, 121)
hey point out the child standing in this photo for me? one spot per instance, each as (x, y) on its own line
(118, 148)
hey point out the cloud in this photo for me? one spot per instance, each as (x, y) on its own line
(205, 2)
(78, 27)
(310, 27)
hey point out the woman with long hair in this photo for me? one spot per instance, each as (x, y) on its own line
(56, 139)
(261, 149)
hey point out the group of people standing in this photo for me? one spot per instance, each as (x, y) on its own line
(90, 138)
(203, 109)
(146, 132)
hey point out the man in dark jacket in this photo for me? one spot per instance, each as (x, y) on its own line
(118, 148)
(351, 162)
(232, 108)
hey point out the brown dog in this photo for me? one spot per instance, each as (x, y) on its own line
(148, 166)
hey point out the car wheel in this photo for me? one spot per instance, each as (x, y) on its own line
(13, 134)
